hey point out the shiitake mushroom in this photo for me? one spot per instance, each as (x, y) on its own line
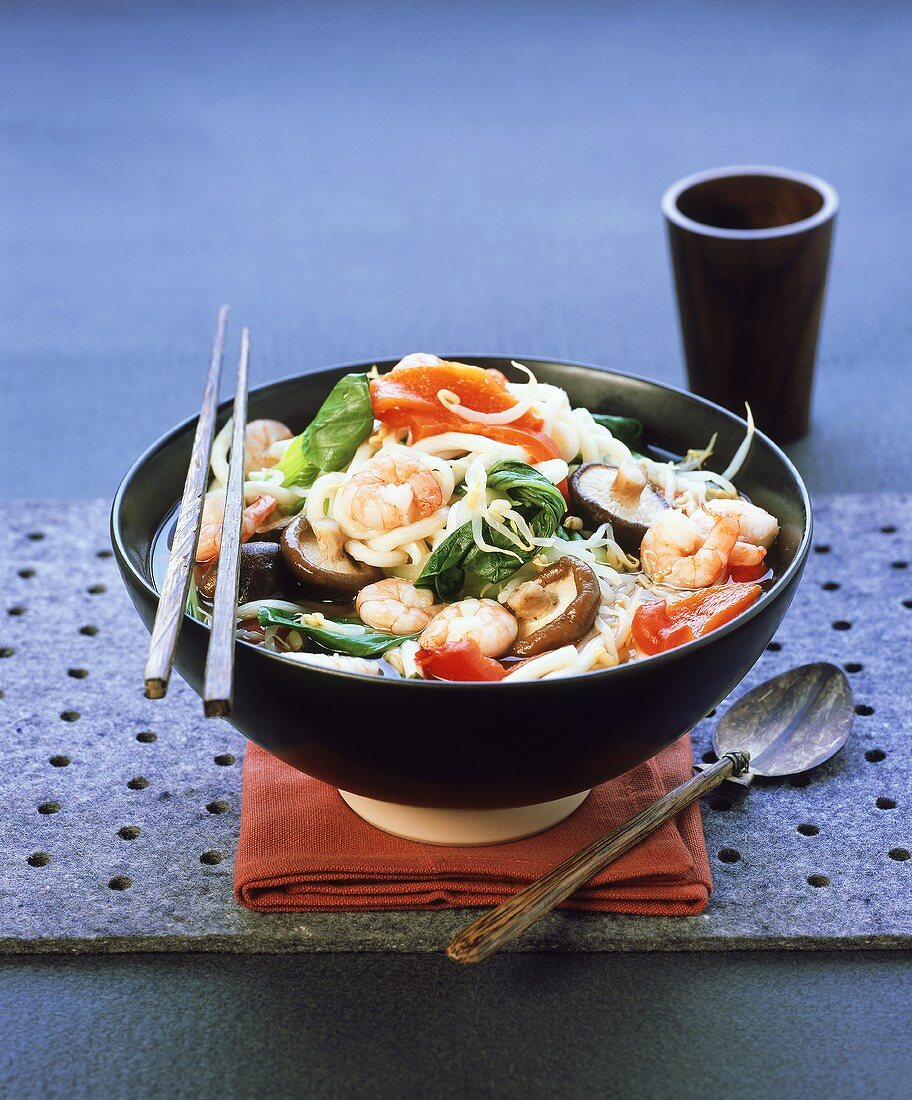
(619, 495)
(556, 608)
(315, 555)
(262, 573)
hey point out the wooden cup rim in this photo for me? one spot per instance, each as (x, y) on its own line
(827, 211)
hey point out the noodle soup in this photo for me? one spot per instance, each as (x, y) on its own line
(445, 522)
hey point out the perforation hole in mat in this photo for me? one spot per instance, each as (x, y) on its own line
(119, 816)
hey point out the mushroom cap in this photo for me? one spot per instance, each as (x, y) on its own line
(262, 573)
(318, 560)
(630, 513)
(573, 611)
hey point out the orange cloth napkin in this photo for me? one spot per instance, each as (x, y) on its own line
(301, 849)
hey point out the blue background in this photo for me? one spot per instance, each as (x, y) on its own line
(364, 180)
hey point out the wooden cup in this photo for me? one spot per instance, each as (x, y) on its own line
(750, 248)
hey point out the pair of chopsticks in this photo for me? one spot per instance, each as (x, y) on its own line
(217, 690)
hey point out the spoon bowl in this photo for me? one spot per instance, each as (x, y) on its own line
(790, 723)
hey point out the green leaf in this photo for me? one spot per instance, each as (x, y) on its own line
(193, 604)
(449, 585)
(532, 491)
(443, 570)
(569, 536)
(296, 467)
(496, 567)
(624, 428)
(541, 505)
(352, 639)
(193, 608)
(329, 442)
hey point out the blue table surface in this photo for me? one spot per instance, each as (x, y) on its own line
(366, 179)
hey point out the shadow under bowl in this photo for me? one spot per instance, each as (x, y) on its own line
(480, 746)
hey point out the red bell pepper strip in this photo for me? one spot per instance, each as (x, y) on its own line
(744, 573)
(406, 399)
(460, 661)
(658, 627)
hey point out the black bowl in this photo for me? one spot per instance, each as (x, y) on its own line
(480, 745)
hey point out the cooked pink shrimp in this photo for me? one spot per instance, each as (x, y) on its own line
(485, 622)
(259, 436)
(745, 553)
(210, 539)
(755, 524)
(390, 491)
(675, 550)
(395, 606)
(757, 529)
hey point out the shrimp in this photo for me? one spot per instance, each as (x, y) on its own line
(755, 524)
(757, 529)
(210, 538)
(395, 606)
(259, 436)
(389, 491)
(675, 550)
(484, 622)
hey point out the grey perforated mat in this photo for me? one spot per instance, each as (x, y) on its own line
(119, 816)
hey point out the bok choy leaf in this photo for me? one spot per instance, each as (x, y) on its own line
(540, 504)
(353, 639)
(443, 571)
(329, 442)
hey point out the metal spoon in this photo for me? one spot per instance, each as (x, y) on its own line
(787, 725)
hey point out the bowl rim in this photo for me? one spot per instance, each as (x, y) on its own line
(629, 670)
(829, 206)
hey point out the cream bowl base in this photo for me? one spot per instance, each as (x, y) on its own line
(462, 828)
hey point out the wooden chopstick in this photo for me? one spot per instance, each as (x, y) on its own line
(217, 688)
(173, 599)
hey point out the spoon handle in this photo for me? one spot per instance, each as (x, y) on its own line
(504, 923)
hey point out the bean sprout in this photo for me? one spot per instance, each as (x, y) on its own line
(731, 470)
